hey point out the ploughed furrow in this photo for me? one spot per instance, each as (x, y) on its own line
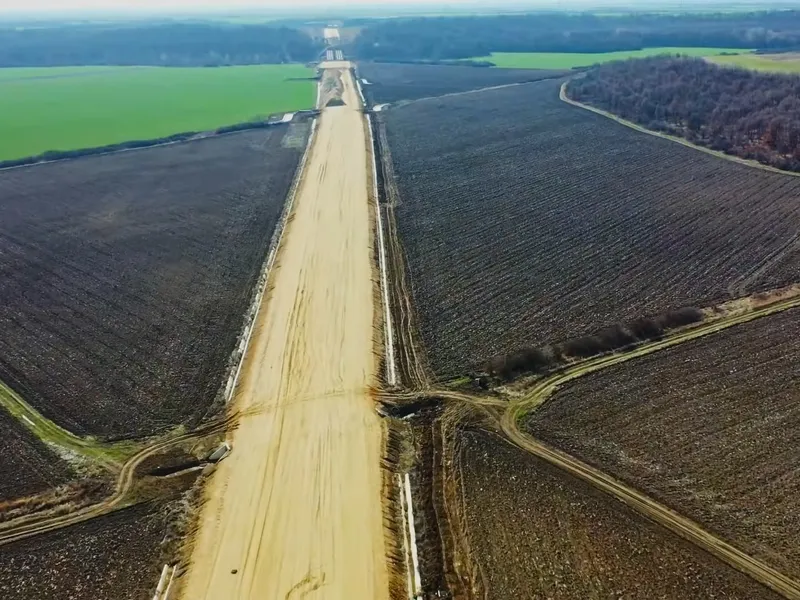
(527, 221)
(747, 561)
(538, 533)
(121, 295)
(399, 82)
(710, 427)
(673, 521)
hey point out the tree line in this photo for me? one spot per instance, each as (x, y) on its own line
(740, 112)
(398, 39)
(534, 360)
(448, 38)
(162, 44)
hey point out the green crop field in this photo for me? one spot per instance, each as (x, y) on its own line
(777, 63)
(567, 60)
(50, 72)
(83, 107)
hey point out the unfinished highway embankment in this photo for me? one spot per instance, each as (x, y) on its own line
(296, 511)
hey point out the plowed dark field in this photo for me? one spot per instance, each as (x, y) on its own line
(710, 427)
(27, 466)
(394, 82)
(527, 221)
(538, 534)
(116, 557)
(124, 278)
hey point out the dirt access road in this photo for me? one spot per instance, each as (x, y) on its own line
(296, 508)
(640, 502)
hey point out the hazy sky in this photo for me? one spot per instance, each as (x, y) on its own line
(233, 5)
(61, 5)
(230, 5)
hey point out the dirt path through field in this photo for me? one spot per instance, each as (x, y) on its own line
(295, 510)
(638, 501)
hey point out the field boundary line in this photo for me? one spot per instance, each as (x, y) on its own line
(661, 514)
(409, 354)
(401, 103)
(199, 136)
(263, 283)
(658, 512)
(52, 434)
(546, 387)
(672, 138)
(13, 531)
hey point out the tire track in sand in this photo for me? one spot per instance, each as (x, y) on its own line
(296, 509)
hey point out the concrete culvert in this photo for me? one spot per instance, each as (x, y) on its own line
(221, 452)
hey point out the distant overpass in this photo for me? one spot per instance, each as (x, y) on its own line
(331, 35)
(332, 54)
(332, 39)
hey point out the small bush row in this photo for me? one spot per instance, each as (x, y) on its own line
(609, 339)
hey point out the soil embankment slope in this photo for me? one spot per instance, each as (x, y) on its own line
(295, 511)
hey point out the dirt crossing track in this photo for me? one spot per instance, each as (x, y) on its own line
(296, 508)
(724, 455)
(569, 541)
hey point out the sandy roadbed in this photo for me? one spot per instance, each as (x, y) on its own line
(295, 510)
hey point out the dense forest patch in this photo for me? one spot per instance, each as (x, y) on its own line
(745, 113)
(443, 38)
(164, 44)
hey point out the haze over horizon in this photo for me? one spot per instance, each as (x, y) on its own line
(162, 6)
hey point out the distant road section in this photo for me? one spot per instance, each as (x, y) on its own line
(295, 510)
(331, 35)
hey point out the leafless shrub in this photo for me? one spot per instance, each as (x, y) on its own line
(609, 339)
